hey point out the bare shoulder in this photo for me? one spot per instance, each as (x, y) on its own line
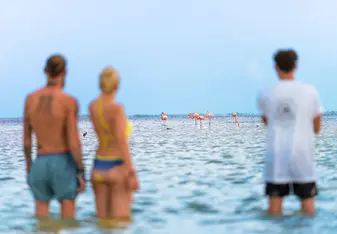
(116, 110)
(29, 97)
(91, 105)
(70, 101)
(34, 94)
(28, 103)
(69, 98)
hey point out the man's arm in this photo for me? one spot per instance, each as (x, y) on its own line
(318, 110)
(72, 134)
(27, 136)
(261, 107)
(264, 119)
(317, 124)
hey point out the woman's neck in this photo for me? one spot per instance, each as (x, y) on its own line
(108, 96)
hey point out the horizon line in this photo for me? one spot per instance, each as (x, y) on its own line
(326, 113)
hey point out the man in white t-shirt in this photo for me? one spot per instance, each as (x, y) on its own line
(291, 110)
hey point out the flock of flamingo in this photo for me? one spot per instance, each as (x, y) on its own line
(201, 118)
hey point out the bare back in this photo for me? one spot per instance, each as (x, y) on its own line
(102, 115)
(47, 110)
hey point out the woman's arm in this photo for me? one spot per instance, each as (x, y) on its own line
(119, 129)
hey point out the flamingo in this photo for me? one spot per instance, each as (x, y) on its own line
(196, 116)
(209, 116)
(236, 121)
(163, 116)
(201, 118)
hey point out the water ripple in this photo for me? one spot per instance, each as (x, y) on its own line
(193, 180)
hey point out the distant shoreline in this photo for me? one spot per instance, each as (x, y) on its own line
(83, 117)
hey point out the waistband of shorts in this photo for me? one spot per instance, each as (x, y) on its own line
(55, 154)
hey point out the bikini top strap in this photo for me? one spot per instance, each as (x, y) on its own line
(101, 118)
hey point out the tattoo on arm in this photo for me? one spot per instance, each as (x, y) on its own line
(27, 136)
(28, 156)
(27, 148)
(45, 103)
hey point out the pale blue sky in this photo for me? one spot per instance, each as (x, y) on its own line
(176, 56)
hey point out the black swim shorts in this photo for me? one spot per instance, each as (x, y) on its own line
(301, 190)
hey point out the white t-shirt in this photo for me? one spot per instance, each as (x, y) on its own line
(290, 107)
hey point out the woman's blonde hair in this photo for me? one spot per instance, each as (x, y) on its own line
(108, 80)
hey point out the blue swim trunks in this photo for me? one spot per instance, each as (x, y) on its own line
(53, 176)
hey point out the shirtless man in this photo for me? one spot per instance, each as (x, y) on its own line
(291, 110)
(58, 170)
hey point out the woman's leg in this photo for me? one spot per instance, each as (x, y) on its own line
(120, 201)
(116, 192)
(101, 198)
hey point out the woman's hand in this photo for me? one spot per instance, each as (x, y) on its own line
(133, 180)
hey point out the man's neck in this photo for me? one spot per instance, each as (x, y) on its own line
(55, 82)
(287, 76)
(54, 85)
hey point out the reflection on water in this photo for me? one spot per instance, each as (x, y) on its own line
(193, 180)
(55, 225)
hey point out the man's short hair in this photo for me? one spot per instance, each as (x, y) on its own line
(286, 60)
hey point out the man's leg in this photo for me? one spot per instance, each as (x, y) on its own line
(307, 193)
(68, 209)
(39, 186)
(275, 193)
(64, 183)
(41, 209)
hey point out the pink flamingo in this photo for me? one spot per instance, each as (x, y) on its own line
(163, 116)
(209, 116)
(196, 116)
(236, 121)
(200, 118)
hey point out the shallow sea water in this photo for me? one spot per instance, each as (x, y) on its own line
(193, 180)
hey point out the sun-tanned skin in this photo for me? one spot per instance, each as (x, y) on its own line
(52, 116)
(122, 180)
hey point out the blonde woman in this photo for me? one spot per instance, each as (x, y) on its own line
(113, 175)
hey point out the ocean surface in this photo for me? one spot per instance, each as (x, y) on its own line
(194, 180)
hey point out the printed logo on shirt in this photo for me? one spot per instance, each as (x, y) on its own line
(285, 110)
